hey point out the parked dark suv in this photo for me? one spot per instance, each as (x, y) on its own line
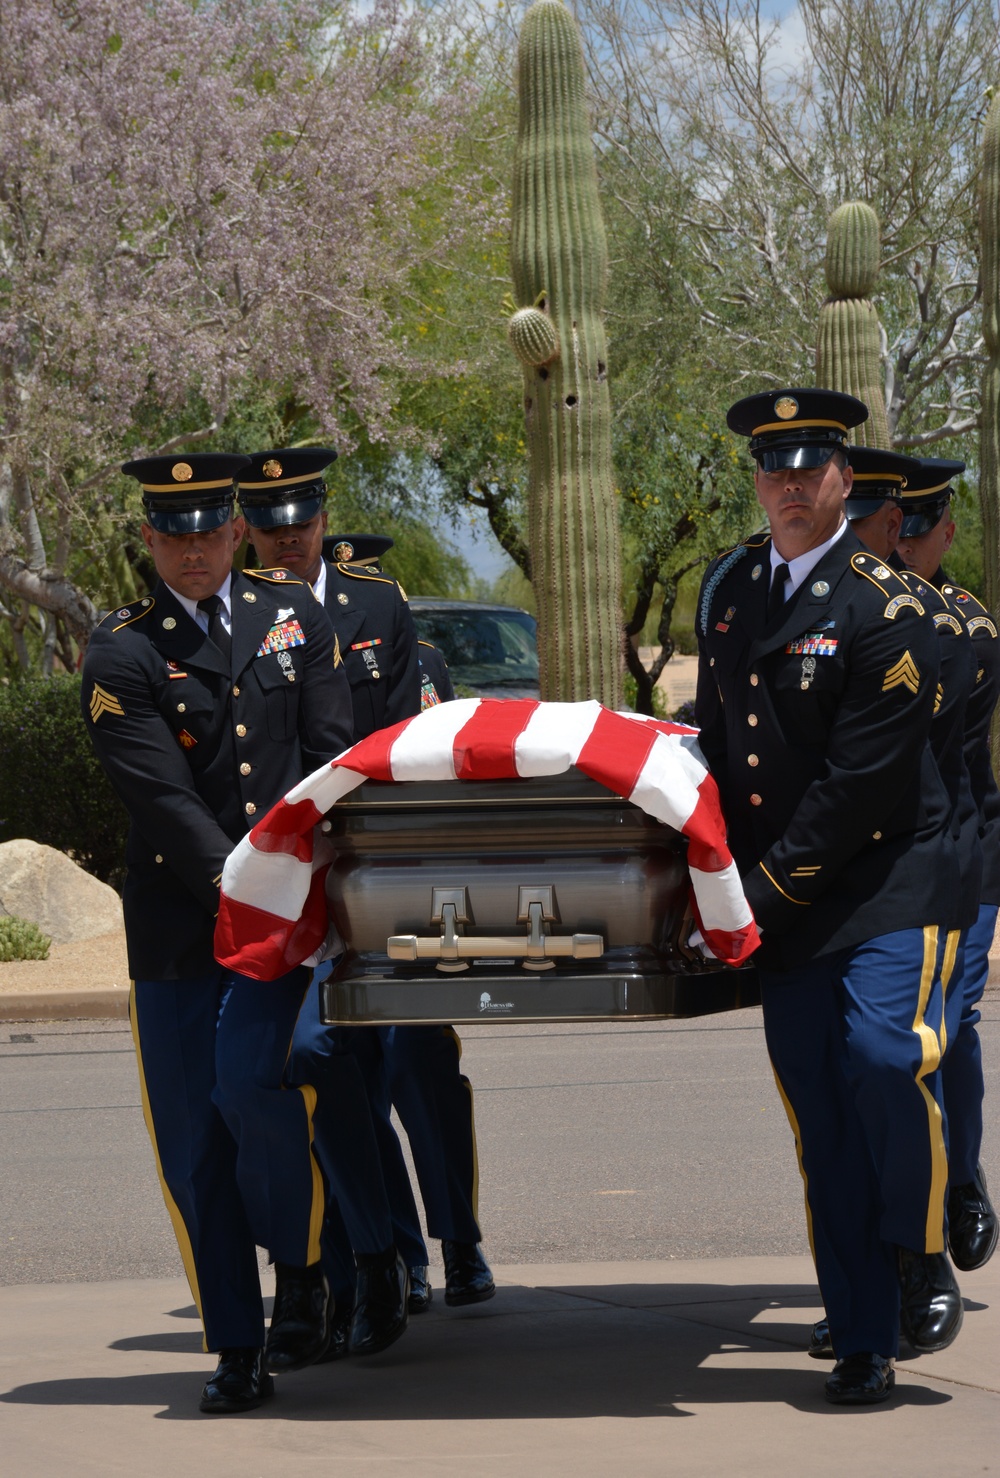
(490, 650)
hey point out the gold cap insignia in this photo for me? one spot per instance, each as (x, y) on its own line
(181, 472)
(343, 551)
(785, 407)
(272, 467)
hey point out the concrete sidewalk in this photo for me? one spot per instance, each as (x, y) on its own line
(575, 1369)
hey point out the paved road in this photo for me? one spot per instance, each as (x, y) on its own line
(596, 1143)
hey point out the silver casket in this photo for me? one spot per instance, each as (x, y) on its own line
(520, 900)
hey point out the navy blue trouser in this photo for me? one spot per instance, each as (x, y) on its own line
(856, 1039)
(232, 1144)
(963, 1065)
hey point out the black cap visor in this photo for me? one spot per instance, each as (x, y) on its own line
(921, 521)
(177, 516)
(265, 513)
(867, 504)
(795, 454)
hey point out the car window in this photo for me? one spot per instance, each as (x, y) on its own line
(483, 647)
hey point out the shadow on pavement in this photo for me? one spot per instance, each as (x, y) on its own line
(619, 1351)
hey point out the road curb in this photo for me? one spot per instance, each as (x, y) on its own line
(66, 1005)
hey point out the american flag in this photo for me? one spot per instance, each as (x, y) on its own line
(273, 913)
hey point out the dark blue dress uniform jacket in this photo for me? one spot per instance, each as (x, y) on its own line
(838, 817)
(378, 642)
(198, 755)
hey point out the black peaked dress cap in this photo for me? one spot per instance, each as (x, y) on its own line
(284, 486)
(187, 494)
(797, 427)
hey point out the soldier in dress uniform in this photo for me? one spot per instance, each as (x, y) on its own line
(417, 1068)
(206, 700)
(925, 538)
(818, 677)
(875, 508)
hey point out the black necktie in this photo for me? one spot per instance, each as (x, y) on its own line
(776, 594)
(213, 606)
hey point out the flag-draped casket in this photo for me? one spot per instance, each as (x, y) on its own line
(498, 858)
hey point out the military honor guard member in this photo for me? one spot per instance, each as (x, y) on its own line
(875, 510)
(281, 496)
(818, 678)
(206, 700)
(928, 529)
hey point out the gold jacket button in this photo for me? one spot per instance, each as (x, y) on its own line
(752, 761)
(236, 692)
(756, 800)
(241, 730)
(876, 836)
(754, 679)
(250, 808)
(158, 857)
(182, 708)
(326, 826)
(752, 720)
(245, 768)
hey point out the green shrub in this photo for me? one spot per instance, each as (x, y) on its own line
(22, 940)
(54, 790)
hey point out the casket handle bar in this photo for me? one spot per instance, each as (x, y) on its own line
(452, 949)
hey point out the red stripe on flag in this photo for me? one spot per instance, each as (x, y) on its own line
(706, 831)
(484, 747)
(373, 756)
(287, 828)
(262, 946)
(616, 751)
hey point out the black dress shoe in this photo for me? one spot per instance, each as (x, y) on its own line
(420, 1291)
(860, 1380)
(300, 1323)
(972, 1224)
(240, 1382)
(340, 1335)
(820, 1343)
(467, 1276)
(930, 1305)
(380, 1314)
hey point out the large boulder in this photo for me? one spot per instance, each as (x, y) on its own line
(47, 887)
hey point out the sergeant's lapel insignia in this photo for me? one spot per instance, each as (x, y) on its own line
(342, 598)
(169, 623)
(820, 587)
(904, 673)
(755, 573)
(102, 702)
(186, 740)
(249, 595)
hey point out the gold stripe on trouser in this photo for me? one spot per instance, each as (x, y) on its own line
(930, 1050)
(798, 1153)
(180, 1229)
(947, 966)
(318, 1200)
(451, 1032)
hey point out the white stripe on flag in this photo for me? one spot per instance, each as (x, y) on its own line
(721, 903)
(553, 737)
(425, 748)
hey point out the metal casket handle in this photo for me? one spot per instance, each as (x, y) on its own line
(550, 946)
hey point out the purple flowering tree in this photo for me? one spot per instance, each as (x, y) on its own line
(197, 200)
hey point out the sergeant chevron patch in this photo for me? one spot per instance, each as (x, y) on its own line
(904, 673)
(102, 702)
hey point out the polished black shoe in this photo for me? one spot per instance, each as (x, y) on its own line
(420, 1291)
(860, 1380)
(340, 1334)
(240, 1382)
(300, 1322)
(467, 1276)
(972, 1224)
(930, 1305)
(381, 1313)
(820, 1343)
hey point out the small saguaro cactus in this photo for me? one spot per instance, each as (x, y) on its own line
(559, 265)
(848, 347)
(989, 434)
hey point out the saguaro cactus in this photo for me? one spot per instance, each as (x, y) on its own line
(989, 435)
(847, 344)
(559, 265)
